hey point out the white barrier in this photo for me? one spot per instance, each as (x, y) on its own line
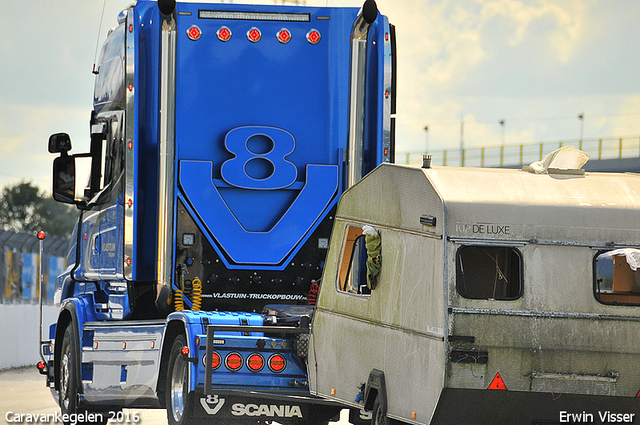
(19, 333)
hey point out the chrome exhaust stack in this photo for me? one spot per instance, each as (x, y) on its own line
(166, 166)
(359, 36)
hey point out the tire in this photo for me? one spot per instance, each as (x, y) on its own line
(177, 400)
(379, 414)
(69, 383)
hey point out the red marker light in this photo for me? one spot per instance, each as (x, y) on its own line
(313, 37)
(233, 362)
(277, 363)
(194, 33)
(254, 35)
(185, 351)
(216, 361)
(224, 34)
(255, 362)
(41, 365)
(284, 36)
(130, 28)
(130, 87)
(41, 235)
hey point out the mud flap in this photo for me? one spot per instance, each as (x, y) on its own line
(231, 408)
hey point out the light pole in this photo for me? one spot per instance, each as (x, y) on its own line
(426, 129)
(462, 141)
(581, 118)
(502, 144)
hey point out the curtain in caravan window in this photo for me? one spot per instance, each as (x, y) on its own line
(617, 277)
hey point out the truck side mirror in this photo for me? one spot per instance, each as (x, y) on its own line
(59, 142)
(64, 178)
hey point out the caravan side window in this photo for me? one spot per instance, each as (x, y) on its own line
(615, 280)
(352, 273)
(484, 272)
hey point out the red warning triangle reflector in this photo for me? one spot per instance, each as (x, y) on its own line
(638, 394)
(497, 383)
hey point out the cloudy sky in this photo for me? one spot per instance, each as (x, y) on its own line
(536, 64)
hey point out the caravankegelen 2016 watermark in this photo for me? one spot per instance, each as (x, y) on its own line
(73, 418)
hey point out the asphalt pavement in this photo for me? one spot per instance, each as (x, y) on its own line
(23, 392)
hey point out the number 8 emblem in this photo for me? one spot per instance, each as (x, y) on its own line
(259, 160)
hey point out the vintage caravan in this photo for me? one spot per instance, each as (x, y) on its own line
(483, 296)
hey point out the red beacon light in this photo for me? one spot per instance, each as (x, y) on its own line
(254, 35)
(224, 34)
(41, 235)
(313, 36)
(284, 36)
(194, 33)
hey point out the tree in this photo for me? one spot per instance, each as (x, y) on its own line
(24, 208)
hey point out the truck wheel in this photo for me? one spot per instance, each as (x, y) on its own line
(379, 415)
(177, 388)
(70, 381)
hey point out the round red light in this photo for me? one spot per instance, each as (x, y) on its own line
(255, 362)
(128, 261)
(224, 34)
(130, 87)
(284, 36)
(313, 37)
(233, 361)
(277, 363)
(254, 35)
(41, 235)
(194, 33)
(185, 351)
(41, 365)
(215, 360)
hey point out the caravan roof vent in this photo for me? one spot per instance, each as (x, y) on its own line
(566, 160)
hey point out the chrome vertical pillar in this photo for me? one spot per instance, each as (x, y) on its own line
(166, 166)
(359, 34)
(130, 148)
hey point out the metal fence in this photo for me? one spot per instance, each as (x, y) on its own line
(19, 283)
(526, 153)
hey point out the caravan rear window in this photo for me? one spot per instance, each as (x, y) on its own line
(486, 272)
(617, 277)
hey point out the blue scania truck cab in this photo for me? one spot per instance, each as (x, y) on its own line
(222, 136)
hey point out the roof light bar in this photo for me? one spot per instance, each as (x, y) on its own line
(254, 16)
